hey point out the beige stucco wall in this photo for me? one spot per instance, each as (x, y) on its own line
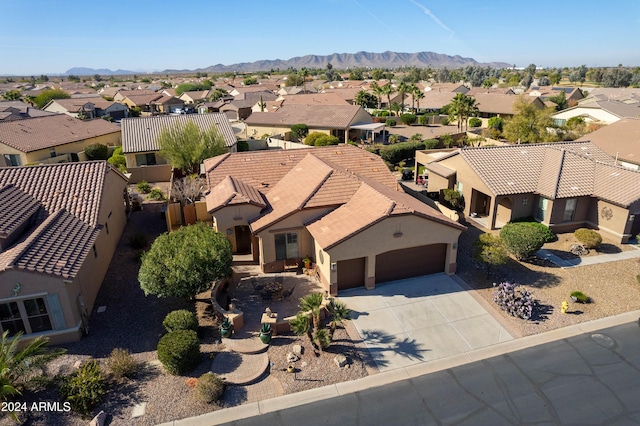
(131, 159)
(226, 219)
(112, 139)
(379, 238)
(612, 220)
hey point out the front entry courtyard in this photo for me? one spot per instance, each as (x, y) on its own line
(419, 320)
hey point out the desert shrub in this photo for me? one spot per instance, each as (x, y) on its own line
(138, 240)
(490, 249)
(181, 319)
(447, 140)
(119, 162)
(580, 297)
(384, 113)
(312, 137)
(391, 122)
(156, 194)
(496, 123)
(400, 151)
(423, 120)
(299, 131)
(416, 137)
(638, 278)
(444, 121)
(85, 388)
(179, 351)
(209, 388)
(97, 151)
(523, 239)
(143, 187)
(453, 198)
(408, 119)
(394, 139)
(327, 140)
(475, 122)
(431, 144)
(518, 303)
(121, 364)
(588, 237)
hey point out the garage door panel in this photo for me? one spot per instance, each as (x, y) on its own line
(351, 273)
(410, 262)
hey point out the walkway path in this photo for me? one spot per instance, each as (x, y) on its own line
(590, 260)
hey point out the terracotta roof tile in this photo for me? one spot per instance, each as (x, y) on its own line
(233, 191)
(16, 207)
(620, 139)
(33, 134)
(334, 116)
(140, 134)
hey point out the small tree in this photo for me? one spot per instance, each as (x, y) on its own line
(490, 250)
(186, 145)
(408, 119)
(47, 95)
(97, 151)
(299, 131)
(185, 262)
(85, 388)
(523, 239)
(453, 197)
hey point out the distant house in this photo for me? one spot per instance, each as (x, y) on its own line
(52, 139)
(18, 110)
(565, 185)
(140, 145)
(596, 110)
(88, 108)
(342, 121)
(621, 140)
(496, 104)
(194, 97)
(61, 226)
(242, 105)
(339, 205)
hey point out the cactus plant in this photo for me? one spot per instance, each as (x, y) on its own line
(265, 333)
(226, 328)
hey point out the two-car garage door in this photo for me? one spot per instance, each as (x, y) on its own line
(394, 265)
(410, 262)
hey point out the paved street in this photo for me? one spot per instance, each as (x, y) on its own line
(589, 378)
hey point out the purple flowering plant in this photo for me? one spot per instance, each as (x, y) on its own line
(519, 303)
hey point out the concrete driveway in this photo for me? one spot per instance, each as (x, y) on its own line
(419, 320)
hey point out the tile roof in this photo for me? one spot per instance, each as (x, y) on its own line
(63, 201)
(16, 207)
(57, 247)
(264, 169)
(143, 98)
(620, 139)
(328, 98)
(140, 134)
(233, 191)
(33, 134)
(76, 104)
(554, 170)
(371, 203)
(498, 103)
(314, 116)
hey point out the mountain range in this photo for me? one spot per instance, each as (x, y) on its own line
(341, 61)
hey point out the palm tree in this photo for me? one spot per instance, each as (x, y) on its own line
(403, 89)
(322, 338)
(417, 95)
(470, 109)
(387, 90)
(19, 366)
(301, 326)
(456, 109)
(304, 73)
(312, 303)
(377, 90)
(339, 313)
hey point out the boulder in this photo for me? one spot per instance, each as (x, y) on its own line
(99, 419)
(291, 357)
(340, 360)
(297, 349)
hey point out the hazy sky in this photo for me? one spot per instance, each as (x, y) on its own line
(47, 36)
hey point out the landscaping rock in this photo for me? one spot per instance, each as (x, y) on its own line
(297, 349)
(99, 419)
(340, 360)
(291, 357)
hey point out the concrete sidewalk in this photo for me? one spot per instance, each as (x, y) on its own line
(392, 376)
(591, 260)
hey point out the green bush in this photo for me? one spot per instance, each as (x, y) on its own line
(408, 119)
(490, 249)
(391, 122)
(179, 351)
(119, 162)
(588, 237)
(453, 198)
(121, 364)
(85, 388)
(383, 113)
(447, 140)
(97, 151)
(444, 121)
(423, 119)
(321, 139)
(181, 319)
(416, 138)
(523, 239)
(496, 123)
(143, 187)
(156, 194)
(312, 137)
(431, 144)
(400, 151)
(475, 122)
(580, 297)
(209, 388)
(299, 131)
(138, 240)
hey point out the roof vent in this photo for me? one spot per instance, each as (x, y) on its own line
(510, 183)
(615, 174)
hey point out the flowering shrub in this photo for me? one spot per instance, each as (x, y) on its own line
(519, 303)
(272, 287)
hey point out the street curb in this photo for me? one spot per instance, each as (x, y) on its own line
(391, 376)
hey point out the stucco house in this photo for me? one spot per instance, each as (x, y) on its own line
(61, 226)
(339, 205)
(88, 107)
(336, 120)
(598, 110)
(140, 146)
(565, 185)
(621, 140)
(54, 138)
(18, 110)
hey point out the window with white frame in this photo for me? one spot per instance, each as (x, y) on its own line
(31, 315)
(286, 245)
(569, 209)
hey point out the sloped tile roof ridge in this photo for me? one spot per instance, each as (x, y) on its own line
(233, 191)
(248, 193)
(447, 155)
(16, 206)
(549, 176)
(294, 190)
(211, 163)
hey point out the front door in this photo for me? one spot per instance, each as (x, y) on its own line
(243, 239)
